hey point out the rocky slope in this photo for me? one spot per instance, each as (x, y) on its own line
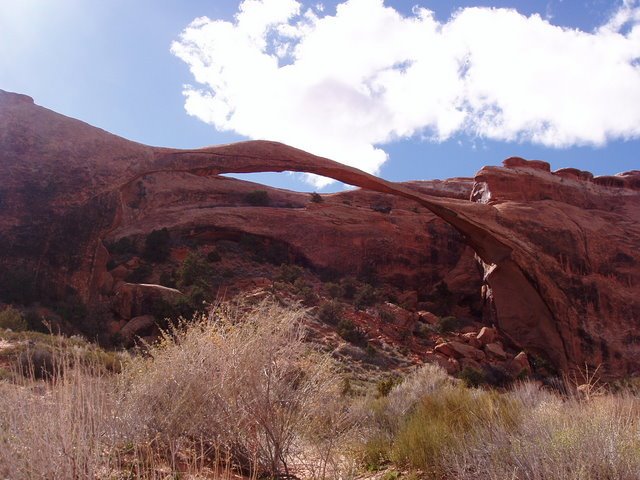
(558, 249)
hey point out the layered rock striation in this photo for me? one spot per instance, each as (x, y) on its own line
(558, 250)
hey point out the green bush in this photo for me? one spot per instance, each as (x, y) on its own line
(13, 319)
(35, 321)
(472, 377)
(140, 274)
(257, 198)
(348, 331)
(289, 273)
(385, 385)
(445, 421)
(316, 197)
(123, 246)
(333, 289)
(37, 361)
(386, 316)
(448, 324)
(213, 256)
(365, 297)
(349, 287)
(330, 312)
(17, 285)
(157, 246)
(195, 270)
(168, 279)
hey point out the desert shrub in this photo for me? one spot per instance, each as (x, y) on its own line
(195, 270)
(257, 198)
(213, 256)
(13, 319)
(140, 274)
(35, 321)
(168, 279)
(348, 331)
(445, 421)
(245, 386)
(448, 324)
(385, 385)
(157, 246)
(330, 312)
(333, 290)
(386, 316)
(307, 295)
(381, 208)
(472, 377)
(423, 381)
(122, 246)
(375, 452)
(69, 432)
(289, 273)
(349, 287)
(496, 376)
(17, 285)
(37, 361)
(365, 297)
(557, 438)
(316, 197)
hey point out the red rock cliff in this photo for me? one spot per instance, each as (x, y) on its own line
(558, 249)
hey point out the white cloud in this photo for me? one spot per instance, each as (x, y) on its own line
(342, 85)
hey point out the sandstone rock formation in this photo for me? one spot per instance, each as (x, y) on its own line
(558, 249)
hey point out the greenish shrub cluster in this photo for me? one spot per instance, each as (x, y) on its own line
(365, 297)
(139, 274)
(257, 198)
(330, 312)
(448, 324)
(157, 246)
(122, 246)
(289, 273)
(352, 334)
(195, 270)
(316, 197)
(13, 319)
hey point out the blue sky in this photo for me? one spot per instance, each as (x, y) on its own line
(402, 92)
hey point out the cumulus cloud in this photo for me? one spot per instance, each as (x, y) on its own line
(342, 85)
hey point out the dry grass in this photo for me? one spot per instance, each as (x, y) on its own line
(244, 385)
(237, 391)
(566, 438)
(58, 429)
(241, 391)
(529, 433)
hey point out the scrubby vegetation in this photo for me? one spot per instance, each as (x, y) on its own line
(12, 319)
(257, 198)
(241, 389)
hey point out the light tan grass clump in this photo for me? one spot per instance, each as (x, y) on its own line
(61, 428)
(557, 437)
(236, 390)
(246, 385)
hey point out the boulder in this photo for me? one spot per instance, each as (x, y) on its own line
(135, 299)
(428, 317)
(451, 365)
(136, 327)
(486, 335)
(495, 350)
(519, 364)
(472, 339)
(459, 350)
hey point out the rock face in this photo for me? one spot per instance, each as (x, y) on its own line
(559, 250)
